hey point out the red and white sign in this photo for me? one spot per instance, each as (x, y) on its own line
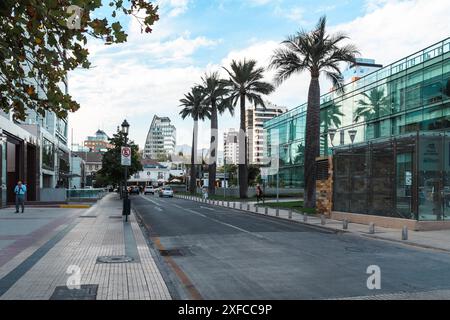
(126, 156)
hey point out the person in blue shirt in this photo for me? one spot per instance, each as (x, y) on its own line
(20, 190)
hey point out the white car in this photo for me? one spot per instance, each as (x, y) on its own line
(149, 190)
(166, 192)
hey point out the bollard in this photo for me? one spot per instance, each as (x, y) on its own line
(305, 217)
(323, 220)
(228, 204)
(345, 224)
(257, 209)
(266, 211)
(277, 212)
(240, 205)
(234, 205)
(372, 228)
(405, 233)
(290, 214)
(248, 207)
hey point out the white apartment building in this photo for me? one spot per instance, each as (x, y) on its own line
(161, 138)
(231, 146)
(255, 118)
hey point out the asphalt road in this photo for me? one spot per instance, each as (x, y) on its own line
(228, 254)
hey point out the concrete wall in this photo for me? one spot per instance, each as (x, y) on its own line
(53, 195)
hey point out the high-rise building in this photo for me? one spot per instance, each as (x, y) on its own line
(256, 116)
(161, 139)
(231, 146)
(98, 143)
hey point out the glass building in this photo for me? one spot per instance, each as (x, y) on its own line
(398, 117)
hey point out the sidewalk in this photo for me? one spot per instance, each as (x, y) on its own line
(45, 249)
(437, 240)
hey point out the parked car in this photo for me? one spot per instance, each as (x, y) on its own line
(149, 190)
(166, 192)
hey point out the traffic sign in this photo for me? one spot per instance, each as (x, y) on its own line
(126, 156)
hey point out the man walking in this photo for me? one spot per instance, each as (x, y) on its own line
(20, 191)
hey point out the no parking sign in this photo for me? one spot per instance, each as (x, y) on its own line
(126, 156)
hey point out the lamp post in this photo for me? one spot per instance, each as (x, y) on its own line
(126, 201)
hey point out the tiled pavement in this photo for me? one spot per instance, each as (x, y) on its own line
(437, 240)
(36, 250)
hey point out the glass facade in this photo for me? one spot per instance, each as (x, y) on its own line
(410, 95)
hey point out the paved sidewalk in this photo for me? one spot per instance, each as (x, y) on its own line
(38, 248)
(437, 240)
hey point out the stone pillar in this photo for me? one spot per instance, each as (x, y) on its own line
(324, 186)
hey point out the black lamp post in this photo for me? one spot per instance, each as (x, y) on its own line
(126, 201)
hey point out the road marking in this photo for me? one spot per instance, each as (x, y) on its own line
(159, 209)
(211, 209)
(150, 200)
(225, 224)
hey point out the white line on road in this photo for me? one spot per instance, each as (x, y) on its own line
(211, 209)
(150, 200)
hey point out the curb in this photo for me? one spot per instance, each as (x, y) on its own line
(74, 206)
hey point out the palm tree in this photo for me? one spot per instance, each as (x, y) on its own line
(373, 105)
(245, 83)
(215, 90)
(316, 52)
(194, 107)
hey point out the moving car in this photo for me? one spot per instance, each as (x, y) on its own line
(149, 190)
(134, 190)
(166, 192)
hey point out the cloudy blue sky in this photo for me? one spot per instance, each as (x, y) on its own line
(151, 72)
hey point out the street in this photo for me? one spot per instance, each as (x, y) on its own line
(229, 254)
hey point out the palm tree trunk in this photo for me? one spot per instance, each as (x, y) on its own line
(193, 179)
(243, 169)
(213, 150)
(312, 147)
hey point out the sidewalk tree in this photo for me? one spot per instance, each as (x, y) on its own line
(246, 83)
(215, 91)
(40, 41)
(112, 169)
(194, 106)
(315, 52)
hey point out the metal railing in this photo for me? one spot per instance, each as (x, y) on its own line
(85, 194)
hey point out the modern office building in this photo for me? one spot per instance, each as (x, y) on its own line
(231, 146)
(98, 143)
(161, 139)
(391, 144)
(254, 123)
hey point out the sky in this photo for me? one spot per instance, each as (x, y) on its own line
(150, 73)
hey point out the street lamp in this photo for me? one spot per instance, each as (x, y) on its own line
(126, 201)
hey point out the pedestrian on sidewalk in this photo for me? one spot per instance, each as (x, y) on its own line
(20, 190)
(259, 194)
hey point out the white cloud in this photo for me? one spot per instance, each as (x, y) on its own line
(173, 8)
(399, 28)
